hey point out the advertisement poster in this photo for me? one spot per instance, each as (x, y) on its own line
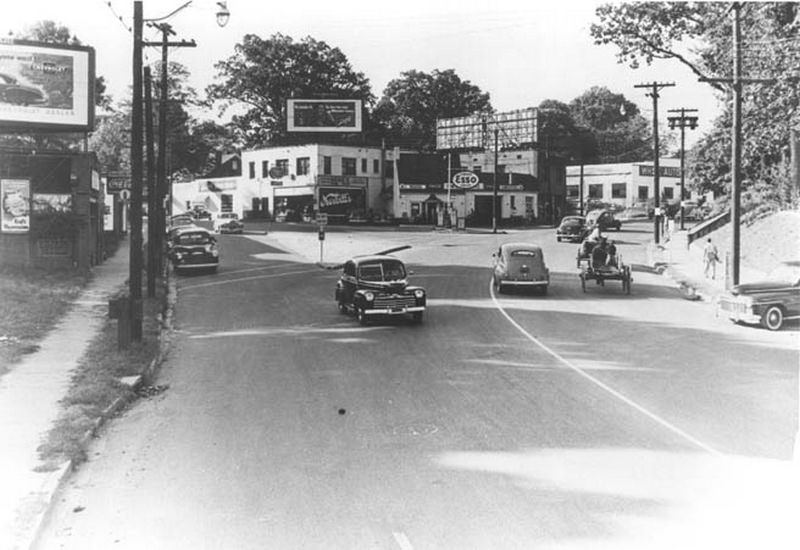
(324, 115)
(45, 85)
(340, 200)
(15, 200)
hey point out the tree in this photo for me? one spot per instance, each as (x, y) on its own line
(412, 103)
(621, 132)
(262, 74)
(770, 38)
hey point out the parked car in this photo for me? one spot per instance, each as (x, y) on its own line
(520, 265)
(11, 91)
(635, 213)
(603, 218)
(376, 285)
(193, 248)
(181, 220)
(228, 222)
(572, 229)
(769, 302)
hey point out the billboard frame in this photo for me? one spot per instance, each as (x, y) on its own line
(330, 108)
(41, 56)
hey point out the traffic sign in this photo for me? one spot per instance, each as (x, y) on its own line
(465, 180)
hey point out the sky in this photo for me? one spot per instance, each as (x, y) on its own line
(520, 52)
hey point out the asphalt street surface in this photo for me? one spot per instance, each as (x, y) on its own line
(572, 420)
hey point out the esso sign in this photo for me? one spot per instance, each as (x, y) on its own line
(465, 180)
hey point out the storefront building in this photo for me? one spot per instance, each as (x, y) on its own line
(624, 184)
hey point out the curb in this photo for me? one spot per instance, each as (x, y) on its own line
(56, 479)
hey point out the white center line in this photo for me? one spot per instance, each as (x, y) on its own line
(402, 541)
(671, 427)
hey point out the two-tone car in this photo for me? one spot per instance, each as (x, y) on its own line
(193, 248)
(377, 285)
(770, 302)
(520, 266)
(228, 222)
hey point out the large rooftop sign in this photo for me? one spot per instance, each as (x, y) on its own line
(514, 129)
(46, 87)
(323, 115)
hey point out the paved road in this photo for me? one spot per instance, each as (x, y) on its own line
(568, 421)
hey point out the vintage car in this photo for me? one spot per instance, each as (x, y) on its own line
(520, 265)
(376, 285)
(769, 302)
(228, 222)
(603, 218)
(572, 229)
(11, 91)
(193, 248)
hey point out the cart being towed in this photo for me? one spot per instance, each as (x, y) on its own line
(601, 269)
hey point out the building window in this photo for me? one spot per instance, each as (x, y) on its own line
(363, 166)
(513, 202)
(283, 166)
(303, 166)
(226, 203)
(477, 169)
(348, 166)
(668, 193)
(235, 165)
(573, 191)
(501, 168)
(595, 190)
(376, 166)
(643, 193)
(326, 166)
(618, 191)
(388, 169)
(264, 168)
(416, 210)
(252, 167)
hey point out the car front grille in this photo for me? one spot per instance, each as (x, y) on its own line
(726, 304)
(393, 301)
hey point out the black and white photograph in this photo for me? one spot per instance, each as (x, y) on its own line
(428, 275)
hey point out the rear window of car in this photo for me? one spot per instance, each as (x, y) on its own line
(524, 253)
(193, 238)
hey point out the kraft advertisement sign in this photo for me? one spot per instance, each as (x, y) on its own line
(46, 85)
(15, 201)
(340, 201)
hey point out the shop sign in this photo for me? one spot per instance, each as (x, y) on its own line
(465, 180)
(15, 198)
(336, 200)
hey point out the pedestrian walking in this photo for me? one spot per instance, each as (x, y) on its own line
(710, 259)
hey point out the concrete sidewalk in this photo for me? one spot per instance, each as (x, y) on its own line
(683, 264)
(29, 404)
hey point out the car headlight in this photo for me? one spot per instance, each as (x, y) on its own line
(419, 293)
(369, 296)
(178, 255)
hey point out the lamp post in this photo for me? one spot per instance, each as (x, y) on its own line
(682, 122)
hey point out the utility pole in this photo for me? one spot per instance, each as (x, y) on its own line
(654, 88)
(135, 258)
(496, 167)
(736, 148)
(153, 251)
(682, 122)
(159, 217)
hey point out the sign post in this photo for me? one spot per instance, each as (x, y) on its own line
(322, 220)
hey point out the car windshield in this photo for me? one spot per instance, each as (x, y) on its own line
(572, 221)
(382, 271)
(785, 273)
(194, 238)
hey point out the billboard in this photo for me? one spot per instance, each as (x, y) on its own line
(340, 201)
(514, 128)
(46, 87)
(323, 115)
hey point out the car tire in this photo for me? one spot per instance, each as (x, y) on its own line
(772, 318)
(362, 316)
(558, 239)
(543, 290)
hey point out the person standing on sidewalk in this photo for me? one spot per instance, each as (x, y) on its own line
(710, 259)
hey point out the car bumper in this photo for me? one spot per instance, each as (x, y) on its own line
(571, 238)
(393, 311)
(507, 282)
(738, 312)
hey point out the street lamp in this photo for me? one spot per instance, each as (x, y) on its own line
(223, 15)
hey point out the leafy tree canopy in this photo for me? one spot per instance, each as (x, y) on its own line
(770, 48)
(412, 103)
(262, 74)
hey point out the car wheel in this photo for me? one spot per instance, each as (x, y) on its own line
(362, 316)
(417, 316)
(772, 318)
(543, 290)
(558, 239)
